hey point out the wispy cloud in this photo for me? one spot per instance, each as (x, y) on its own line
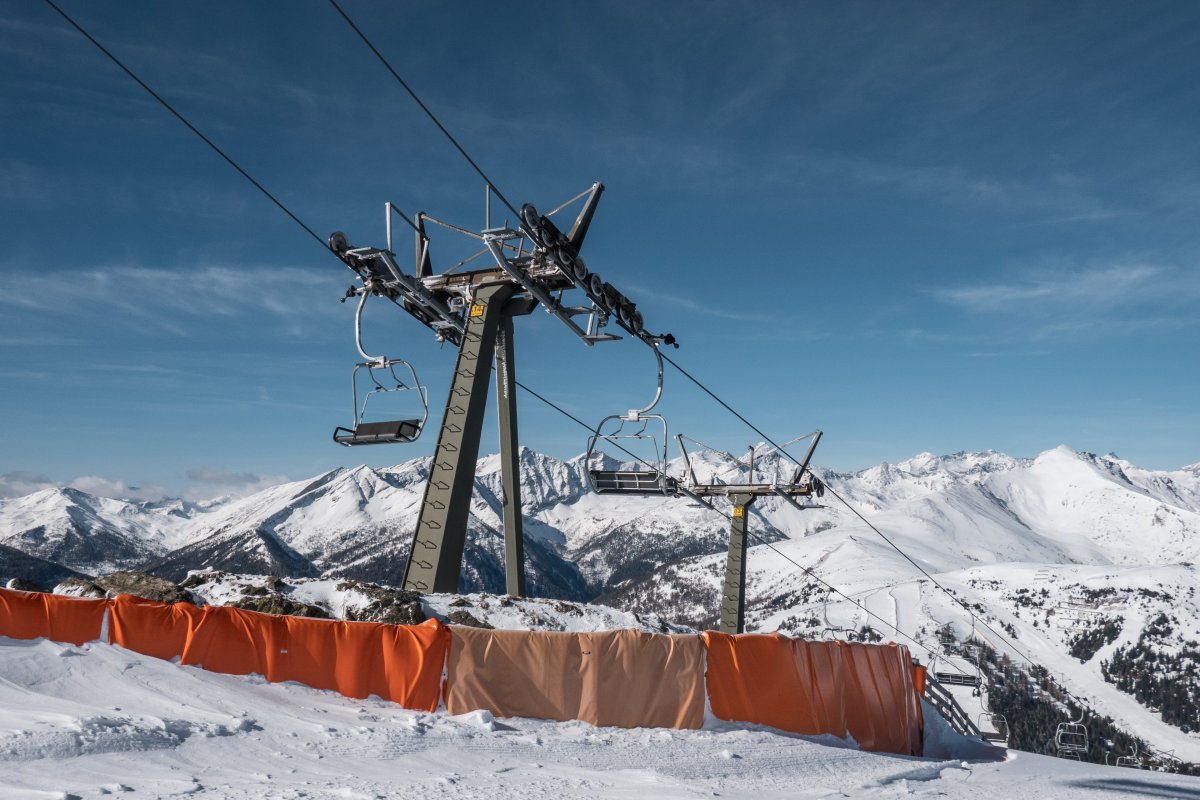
(686, 303)
(202, 484)
(154, 299)
(205, 484)
(18, 483)
(1103, 287)
(1059, 303)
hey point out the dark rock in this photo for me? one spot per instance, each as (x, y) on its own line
(80, 587)
(459, 602)
(25, 585)
(388, 605)
(139, 584)
(464, 617)
(195, 579)
(254, 591)
(567, 608)
(278, 604)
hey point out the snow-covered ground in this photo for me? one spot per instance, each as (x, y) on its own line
(98, 720)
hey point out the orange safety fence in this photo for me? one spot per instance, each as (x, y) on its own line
(883, 711)
(860, 690)
(919, 673)
(155, 629)
(621, 678)
(233, 641)
(400, 663)
(33, 615)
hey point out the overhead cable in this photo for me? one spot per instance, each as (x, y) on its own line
(387, 65)
(189, 125)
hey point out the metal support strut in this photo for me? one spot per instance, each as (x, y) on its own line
(435, 561)
(733, 593)
(510, 468)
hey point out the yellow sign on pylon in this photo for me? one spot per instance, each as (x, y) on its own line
(477, 309)
(739, 511)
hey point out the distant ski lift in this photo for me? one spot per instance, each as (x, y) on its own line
(994, 727)
(378, 377)
(1131, 761)
(992, 724)
(637, 434)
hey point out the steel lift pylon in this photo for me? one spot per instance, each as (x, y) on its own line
(742, 497)
(535, 264)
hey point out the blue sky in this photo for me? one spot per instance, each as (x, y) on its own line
(916, 226)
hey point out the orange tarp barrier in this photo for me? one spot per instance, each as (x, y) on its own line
(919, 673)
(401, 663)
(884, 714)
(233, 641)
(612, 678)
(33, 615)
(155, 629)
(860, 690)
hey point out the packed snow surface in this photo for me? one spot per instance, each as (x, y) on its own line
(99, 720)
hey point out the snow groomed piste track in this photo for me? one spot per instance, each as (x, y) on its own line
(624, 678)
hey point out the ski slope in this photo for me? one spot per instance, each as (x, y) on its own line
(97, 720)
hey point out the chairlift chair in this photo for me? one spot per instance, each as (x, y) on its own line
(1133, 760)
(994, 727)
(992, 723)
(637, 428)
(1071, 739)
(381, 379)
(832, 631)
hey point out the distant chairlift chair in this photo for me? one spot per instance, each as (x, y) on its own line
(637, 427)
(1071, 739)
(382, 379)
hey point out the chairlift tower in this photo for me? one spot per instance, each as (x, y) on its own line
(742, 497)
(654, 480)
(533, 264)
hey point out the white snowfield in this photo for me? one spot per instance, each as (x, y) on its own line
(98, 720)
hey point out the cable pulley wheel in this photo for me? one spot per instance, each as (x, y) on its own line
(630, 317)
(552, 237)
(338, 243)
(595, 289)
(531, 221)
(571, 264)
(613, 299)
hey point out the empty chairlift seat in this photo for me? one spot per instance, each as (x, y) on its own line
(389, 432)
(958, 678)
(632, 482)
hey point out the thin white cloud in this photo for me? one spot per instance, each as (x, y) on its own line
(1104, 287)
(170, 300)
(19, 483)
(203, 484)
(118, 489)
(206, 484)
(1059, 303)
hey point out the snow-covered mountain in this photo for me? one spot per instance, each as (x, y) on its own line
(1076, 556)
